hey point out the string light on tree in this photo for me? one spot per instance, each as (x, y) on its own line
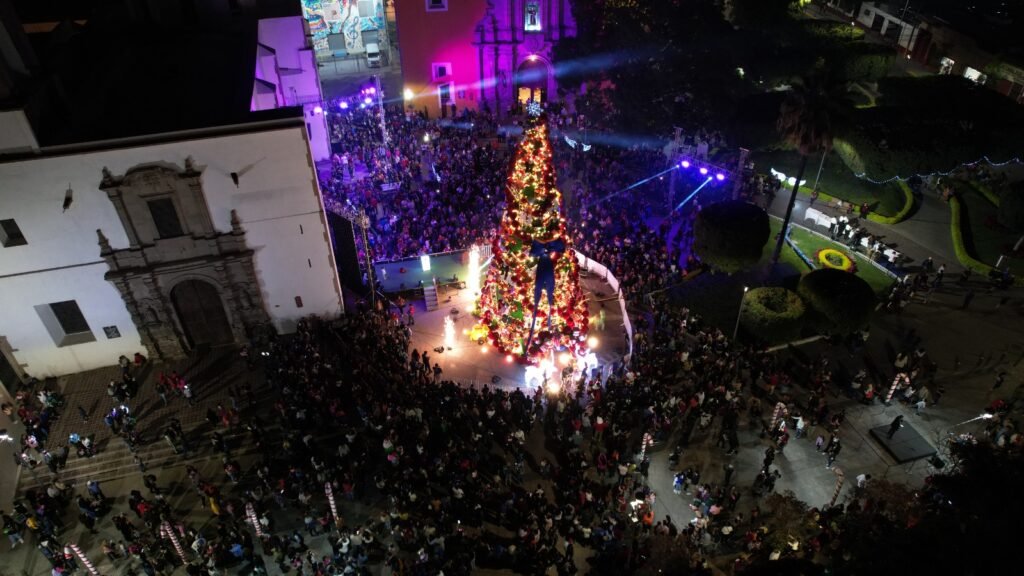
(531, 303)
(983, 159)
(473, 281)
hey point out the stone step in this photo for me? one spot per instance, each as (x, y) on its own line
(118, 461)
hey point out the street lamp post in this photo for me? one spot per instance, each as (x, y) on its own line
(739, 313)
(364, 223)
(383, 118)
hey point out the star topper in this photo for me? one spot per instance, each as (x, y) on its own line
(534, 109)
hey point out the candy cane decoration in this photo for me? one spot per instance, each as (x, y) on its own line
(330, 500)
(167, 532)
(85, 561)
(647, 441)
(839, 486)
(895, 384)
(252, 518)
(780, 410)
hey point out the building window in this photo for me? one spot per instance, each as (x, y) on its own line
(111, 332)
(441, 71)
(531, 17)
(437, 5)
(10, 234)
(65, 323)
(165, 218)
(444, 92)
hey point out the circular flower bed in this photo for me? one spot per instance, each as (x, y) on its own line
(832, 258)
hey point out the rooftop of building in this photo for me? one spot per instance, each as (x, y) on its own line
(114, 77)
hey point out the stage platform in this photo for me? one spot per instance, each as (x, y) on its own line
(906, 445)
(407, 274)
(470, 363)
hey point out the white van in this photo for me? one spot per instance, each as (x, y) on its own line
(373, 55)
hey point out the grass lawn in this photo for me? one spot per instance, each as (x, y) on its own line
(984, 237)
(716, 296)
(836, 179)
(811, 243)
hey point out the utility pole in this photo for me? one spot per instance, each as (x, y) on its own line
(737, 185)
(380, 103)
(364, 223)
(820, 166)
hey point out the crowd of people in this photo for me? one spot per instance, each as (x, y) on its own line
(361, 440)
(438, 187)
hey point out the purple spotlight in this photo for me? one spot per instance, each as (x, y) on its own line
(318, 110)
(719, 177)
(371, 90)
(343, 105)
(368, 101)
(703, 171)
(685, 164)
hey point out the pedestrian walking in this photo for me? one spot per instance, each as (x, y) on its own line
(833, 453)
(1000, 378)
(967, 299)
(186, 390)
(83, 414)
(95, 491)
(895, 425)
(819, 442)
(729, 470)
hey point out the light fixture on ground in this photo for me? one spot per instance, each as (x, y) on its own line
(739, 314)
(449, 332)
(425, 262)
(408, 94)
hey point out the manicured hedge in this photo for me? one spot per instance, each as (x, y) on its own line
(985, 191)
(1011, 208)
(908, 205)
(774, 315)
(841, 301)
(956, 230)
(730, 235)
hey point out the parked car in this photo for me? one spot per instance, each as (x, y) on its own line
(373, 55)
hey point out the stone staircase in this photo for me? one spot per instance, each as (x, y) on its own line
(116, 461)
(430, 294)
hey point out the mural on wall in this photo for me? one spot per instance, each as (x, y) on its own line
(344, 17)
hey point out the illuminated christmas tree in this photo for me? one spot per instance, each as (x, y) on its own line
(531, 302)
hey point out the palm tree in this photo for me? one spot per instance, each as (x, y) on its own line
(804, 123)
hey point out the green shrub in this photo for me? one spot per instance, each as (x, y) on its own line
(864, 62)
(841, 301)
(1011, 208)
(774, 315)
(956, 230)
(849, 155)
(986, 191)
(730, 235)
(908, 205)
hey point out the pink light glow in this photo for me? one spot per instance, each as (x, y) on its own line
(368, 101)
(703, 171)
(343, 105)
(532, 57)
(318, 110)
(685, 164)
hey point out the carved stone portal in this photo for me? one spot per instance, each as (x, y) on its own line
(184, 283)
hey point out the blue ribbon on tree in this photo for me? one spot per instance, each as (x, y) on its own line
(544, 281)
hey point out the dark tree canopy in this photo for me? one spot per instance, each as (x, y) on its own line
(1011, 208)
(730, 235)
(842, 301)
